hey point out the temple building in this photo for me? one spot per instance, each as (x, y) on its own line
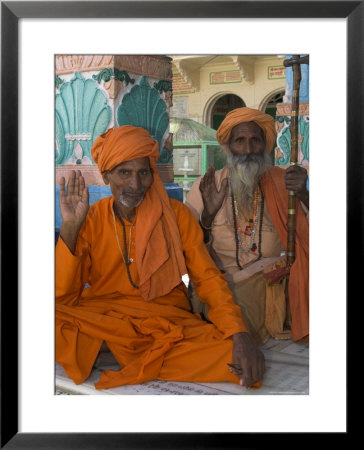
(180, 99)
(207, 87)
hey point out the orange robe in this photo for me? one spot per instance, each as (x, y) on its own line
(274, 238)
(275, 193)
(151, 339)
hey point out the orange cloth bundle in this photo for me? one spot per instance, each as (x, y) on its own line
(241, 115)
(159, 256)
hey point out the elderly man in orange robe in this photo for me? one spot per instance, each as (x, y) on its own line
(242, 210)
(119, 268)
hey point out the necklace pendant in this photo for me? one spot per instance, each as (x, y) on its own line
(248, 230)
(254, 247)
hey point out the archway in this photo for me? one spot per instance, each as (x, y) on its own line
(222, 106)
(269, 104)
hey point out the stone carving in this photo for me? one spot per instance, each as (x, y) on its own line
(152, 66)
(168, 98)
(143, 107)
(163, 85)
(82, 114)
(283, 151)
(81, 63)
(58, 82)
(191, 79)
(113, 80)
(113, 87)
(108, 74)
(246, 67)
(78, 156)
(166, 87)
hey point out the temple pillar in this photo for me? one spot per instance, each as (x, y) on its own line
(283, 121)
(97, 92)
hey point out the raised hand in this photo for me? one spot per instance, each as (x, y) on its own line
(212, 198)
(74, 205)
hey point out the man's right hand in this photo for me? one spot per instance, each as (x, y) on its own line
(212, 198)
(74, 206)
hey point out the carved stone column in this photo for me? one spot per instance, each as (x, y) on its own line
(283, 121)
(98, 92)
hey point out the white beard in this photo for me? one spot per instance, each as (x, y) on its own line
(245, 172)
(130, 203)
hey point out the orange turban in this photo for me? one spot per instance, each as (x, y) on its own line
(122, 144)
(241, 115)
(159, 255)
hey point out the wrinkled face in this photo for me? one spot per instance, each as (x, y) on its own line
(247, 139)
(129, 181)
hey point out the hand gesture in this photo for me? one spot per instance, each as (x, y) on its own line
(248, 358)
(74, 206)
(212, 198)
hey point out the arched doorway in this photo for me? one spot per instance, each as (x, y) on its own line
(269, 104)
(222, 106)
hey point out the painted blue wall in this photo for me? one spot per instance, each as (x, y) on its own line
(305, 82)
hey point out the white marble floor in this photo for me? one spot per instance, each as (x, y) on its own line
(287, 372)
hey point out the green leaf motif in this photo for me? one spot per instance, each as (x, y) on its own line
(304, 131)
(58, 81)
(107, 74)
(143, 107)
(82, 114)
(284, 139)
(163, 85)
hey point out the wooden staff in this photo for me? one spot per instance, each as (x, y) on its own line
(294, 62)
(277, 274)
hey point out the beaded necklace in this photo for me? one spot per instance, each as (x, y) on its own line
(126, 259)
(250, 229)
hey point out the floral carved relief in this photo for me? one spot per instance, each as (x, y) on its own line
(113, 87)
(82, 114)
(114, 80)
(81, 63)
(283, 149)
(148, 65)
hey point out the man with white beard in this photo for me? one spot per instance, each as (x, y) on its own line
(242, 210)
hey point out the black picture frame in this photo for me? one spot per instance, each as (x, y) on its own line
(11, 12)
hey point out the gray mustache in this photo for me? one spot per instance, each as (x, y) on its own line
(241, 159)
